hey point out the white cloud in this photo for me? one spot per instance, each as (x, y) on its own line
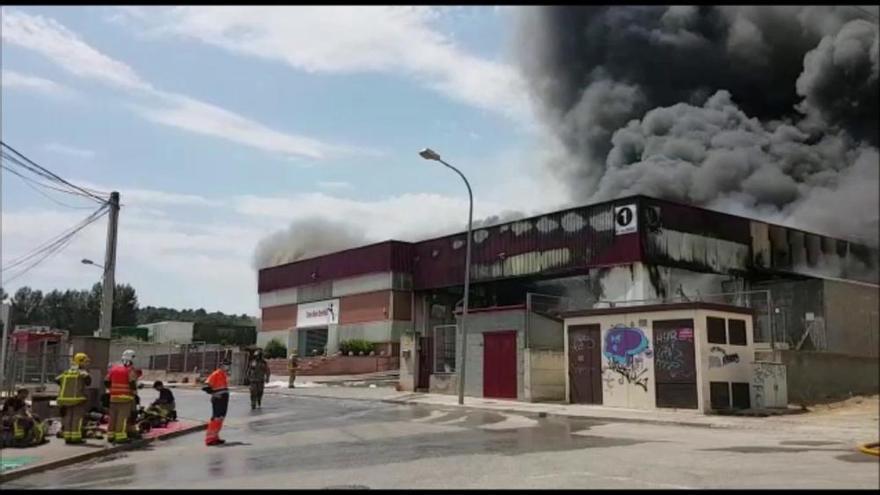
(69, 150)
(346, 39)
(130, 196)
(25, 82)
(202, 263)
(67, 50)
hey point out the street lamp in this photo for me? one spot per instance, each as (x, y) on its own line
(86, 261)
(429, 154)
(90, 262)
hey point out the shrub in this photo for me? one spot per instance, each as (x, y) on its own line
(275, 349)
(357, 346)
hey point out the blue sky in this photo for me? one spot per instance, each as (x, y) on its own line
(220, 126)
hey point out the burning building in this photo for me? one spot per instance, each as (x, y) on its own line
(809, 292)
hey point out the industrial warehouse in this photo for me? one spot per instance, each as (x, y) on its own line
(786, 297)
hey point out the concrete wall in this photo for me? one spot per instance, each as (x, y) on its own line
(544, 333)
(179, 332)
(543, 375)
(819, 376)
(409, 361)
(722, 362)
(851, 318)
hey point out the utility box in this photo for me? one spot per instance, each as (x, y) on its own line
(769, 385)
(98, 351)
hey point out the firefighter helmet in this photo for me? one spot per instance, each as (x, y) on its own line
(80, 359)
(128, 356)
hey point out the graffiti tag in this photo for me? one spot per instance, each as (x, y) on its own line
(624, 348)
(721, 357)
(670, 357)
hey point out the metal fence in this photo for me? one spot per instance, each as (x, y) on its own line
(34, 368)
(445, 356)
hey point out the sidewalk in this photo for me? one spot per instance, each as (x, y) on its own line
(15, 463)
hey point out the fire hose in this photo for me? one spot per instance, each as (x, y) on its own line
(870, 448)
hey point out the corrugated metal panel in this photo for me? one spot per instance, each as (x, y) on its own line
(279, 317)
(364, 307)
(383, 257)
(708, 223)
(553, 244)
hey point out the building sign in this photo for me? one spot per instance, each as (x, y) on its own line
(317, 314)
(625, 221)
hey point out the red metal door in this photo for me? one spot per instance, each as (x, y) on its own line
(585, 364)
(499, 365)
(426, 362)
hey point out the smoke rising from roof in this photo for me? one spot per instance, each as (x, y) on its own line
(769, 111)
(307, 238)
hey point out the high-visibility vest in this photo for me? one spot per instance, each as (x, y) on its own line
(218, 383)
(120, 377)
(73, 387)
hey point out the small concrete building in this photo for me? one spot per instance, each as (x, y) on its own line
(176, 332)
(683, 356)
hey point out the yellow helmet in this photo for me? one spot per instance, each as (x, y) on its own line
(80, 359)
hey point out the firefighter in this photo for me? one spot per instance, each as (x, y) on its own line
(291, 369)
(217, 384)
(122, 383)
(72, 398)
(258, 377)
(27, 429)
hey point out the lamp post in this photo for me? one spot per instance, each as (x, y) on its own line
(429, 154)
(86, 261)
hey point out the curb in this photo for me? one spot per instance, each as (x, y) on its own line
(45, 466)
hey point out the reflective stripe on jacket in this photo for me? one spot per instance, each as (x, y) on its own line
(73, 387)
(218, 383)
(120, 377)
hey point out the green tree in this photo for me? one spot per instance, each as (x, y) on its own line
(275, 349)
(27, 304)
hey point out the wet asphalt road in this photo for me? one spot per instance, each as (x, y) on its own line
(303, 442)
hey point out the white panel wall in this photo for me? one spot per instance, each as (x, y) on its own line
(371, 282)
(278, 298)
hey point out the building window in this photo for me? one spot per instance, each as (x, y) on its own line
(444, 348)
(719, 395)
(740, 395)
(737, 329)
(716, 330)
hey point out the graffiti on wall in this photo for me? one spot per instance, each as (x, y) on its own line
(670, 355)
(719, 358)
(626, 349)
(766, 382)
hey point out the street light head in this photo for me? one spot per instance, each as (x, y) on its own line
(429, 154)
(87, 262)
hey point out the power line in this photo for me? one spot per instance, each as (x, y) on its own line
(31, 182)
(40, 170)
(52, 246)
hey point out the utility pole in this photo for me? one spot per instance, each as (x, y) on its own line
(109, 267)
